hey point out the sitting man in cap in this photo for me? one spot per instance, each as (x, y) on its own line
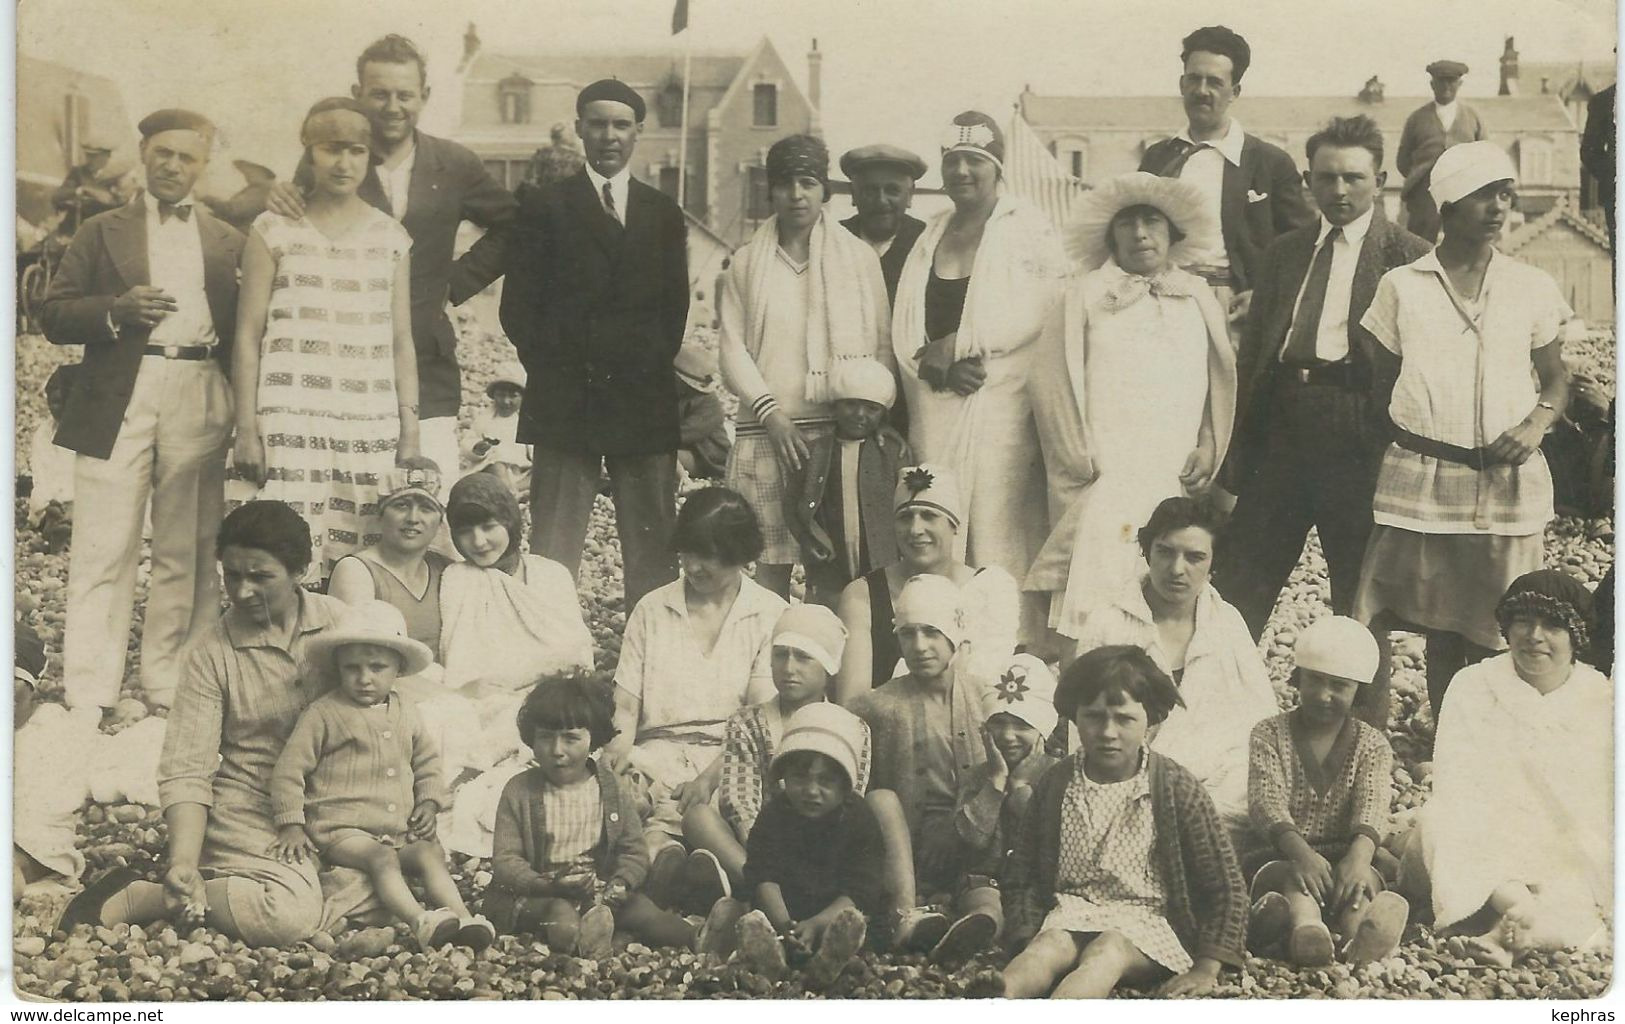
(596, 304)
(150, 291)
(1431, 129)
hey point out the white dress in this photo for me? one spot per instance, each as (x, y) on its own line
(1146, 377)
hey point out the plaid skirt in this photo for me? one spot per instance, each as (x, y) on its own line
(753, 471)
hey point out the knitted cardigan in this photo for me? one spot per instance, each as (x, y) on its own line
(520, 844)
(1207, 900)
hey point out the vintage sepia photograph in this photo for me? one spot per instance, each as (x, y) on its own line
(854, 499)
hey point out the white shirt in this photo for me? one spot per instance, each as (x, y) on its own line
(618, 186)
(397, 181)
(851, 512)
(1447, 113)
(175, 264)
(1332, 334)
(1205, 169)
(881, 247)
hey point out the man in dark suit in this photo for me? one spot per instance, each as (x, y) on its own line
(150, 291)
(1314, 388)
(1251, 185)
(1597, 155)
(431, 185)
(596, 302)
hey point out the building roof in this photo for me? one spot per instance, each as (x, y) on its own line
(1561, 212)
(639, 70)
(1561, 75)
(1281, 114)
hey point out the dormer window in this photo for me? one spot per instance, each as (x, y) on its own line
(669, 103)
(513, 97)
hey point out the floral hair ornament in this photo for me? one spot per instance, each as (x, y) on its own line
(1024, 690)
(974, 132)
(931, 487)
(419, 476)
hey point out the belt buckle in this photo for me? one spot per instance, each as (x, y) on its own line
(172, 351)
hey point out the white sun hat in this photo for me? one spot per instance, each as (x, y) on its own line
(1180, 201)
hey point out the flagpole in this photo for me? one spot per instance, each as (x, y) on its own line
(682, 139)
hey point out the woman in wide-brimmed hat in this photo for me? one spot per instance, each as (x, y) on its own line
(1134, 387)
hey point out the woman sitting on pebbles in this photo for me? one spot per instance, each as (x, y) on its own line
(239, 696)
(929, 515)
(1177, 617)
(1515, 846)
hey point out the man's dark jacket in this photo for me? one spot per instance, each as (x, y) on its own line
(891, 264)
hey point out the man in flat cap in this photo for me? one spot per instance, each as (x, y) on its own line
(431, 185)
(1431, 129)
(150, 291)
(596, 302)
(883, 180)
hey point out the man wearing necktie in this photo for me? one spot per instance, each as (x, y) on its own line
(596, 303)
(150, 291)
(1315, 385)
(1250, 185)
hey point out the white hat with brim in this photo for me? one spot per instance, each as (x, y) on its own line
(1181, 202)
(827, 729)
(1024, 690)
(866, 379)
(1464, 169)
(377, 623)
(1338, 646)
(511, 374)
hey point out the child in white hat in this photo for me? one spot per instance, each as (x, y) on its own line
(815, 854)
(359, 781)
(1019, 714)
(1319, 787)
(492, 441)
(838, 503)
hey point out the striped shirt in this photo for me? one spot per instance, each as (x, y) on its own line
(1328, 804)
(572, 819)
(352, 767)
(1465, 378)
(750, 740)
(239, 696)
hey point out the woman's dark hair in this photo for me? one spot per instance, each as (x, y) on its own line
(1120, 672)
(799, 761)
(1222, 41)
(1358, 132)
(1175, 236)
(718, 523)
(269, 526)
(574, 699)
(1177, 514)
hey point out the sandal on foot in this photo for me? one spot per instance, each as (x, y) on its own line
(919, 930)
(964, 939)
(843, 937)
(1380, 930)
(1267, 921)
(759, 945)
(719, 934)
(474, 932)
(596, 935)
(435, 928)
(1310, 945)
(86, 908)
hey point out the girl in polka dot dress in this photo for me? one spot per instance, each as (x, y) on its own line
(1122, 871)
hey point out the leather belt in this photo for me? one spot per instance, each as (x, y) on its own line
(181, 351)
(1333, 375)
(1477, 458)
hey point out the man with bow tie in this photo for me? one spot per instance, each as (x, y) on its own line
(1249, 184)
(150, 291)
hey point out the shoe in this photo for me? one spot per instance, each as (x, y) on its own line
(759, 946)
(435, 928)
(474, 932)
(918, 930)
(843, 937)
(964, 939)
(1379, 932)
(86, 908)
(719, 934)
(596, 935)
(1267, 921)
(665, 876)
(1310, 945)
(703, 881)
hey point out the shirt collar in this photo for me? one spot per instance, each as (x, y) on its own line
(312, 616)
(1445, 108)
(1354, 231)
(617, 183)
(152, 202)
(1228, 145)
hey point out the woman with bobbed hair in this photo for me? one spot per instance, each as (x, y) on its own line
(695, 651)
(239, 696)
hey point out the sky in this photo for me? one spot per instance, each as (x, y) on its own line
(894, 70)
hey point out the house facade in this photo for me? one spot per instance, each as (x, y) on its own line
(738, 105)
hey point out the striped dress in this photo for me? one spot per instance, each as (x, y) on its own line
(327, 406)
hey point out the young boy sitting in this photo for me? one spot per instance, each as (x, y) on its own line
(838, 504)
(493, 447)
(359, 780)
(813, 866)
(1319, 787)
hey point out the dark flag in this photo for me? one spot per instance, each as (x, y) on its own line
(679, 17)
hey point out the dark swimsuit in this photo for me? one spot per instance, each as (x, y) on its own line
(944, 304)
(882, 626)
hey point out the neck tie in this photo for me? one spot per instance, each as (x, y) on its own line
(609, 205)
(1187, 150)
(168, 210)
(1300, 343)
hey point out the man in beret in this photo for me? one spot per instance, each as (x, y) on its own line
(431, 185)
(883, 180)
(1431, 129)
(596, 303)
(150, 291)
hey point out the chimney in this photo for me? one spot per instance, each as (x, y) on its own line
(815, 76)
(471, 46)
(1509, 70)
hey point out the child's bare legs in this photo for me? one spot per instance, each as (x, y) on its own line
(1344, 923)
(1309, 940)
(1034, 971)
(426, 860)
(775, 578)
(383, 865)
(705, 829)
(640, 918)
(1109, 958)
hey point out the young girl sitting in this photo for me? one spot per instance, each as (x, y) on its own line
(569, 856)
(359, 781)
(814, 858)
(807, 644)
(1122, 870)
(1318, 790)
(491, 443)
